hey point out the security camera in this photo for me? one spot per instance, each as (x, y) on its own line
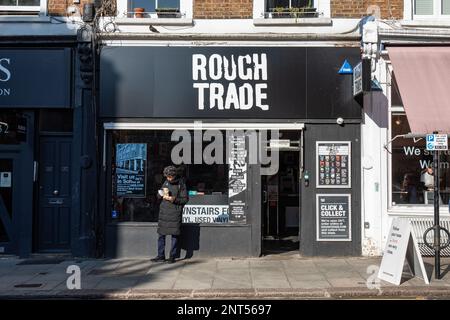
(340, 121)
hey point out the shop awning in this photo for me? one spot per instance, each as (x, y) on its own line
(423, 78)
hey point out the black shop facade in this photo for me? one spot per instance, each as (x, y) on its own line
(253, 132)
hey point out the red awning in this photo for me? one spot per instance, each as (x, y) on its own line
(423, 78)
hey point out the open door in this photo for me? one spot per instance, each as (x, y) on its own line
(281, 197)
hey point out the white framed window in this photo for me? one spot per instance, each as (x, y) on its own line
(430, 9)
(291, 9)
(155, 8)
(23, 7)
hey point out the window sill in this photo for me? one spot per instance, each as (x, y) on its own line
(417, 210)
(25, 19)
(293, 22)
(155, 224)
(155, 21)
(429, 23)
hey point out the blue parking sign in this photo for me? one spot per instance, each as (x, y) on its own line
(430, 137)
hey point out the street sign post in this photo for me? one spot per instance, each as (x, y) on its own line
(436, 142)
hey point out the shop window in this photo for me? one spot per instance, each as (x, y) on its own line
(13, 127)
(412, 175)
(6, 196)
(22, 7)
(137, 161)
(427, 9)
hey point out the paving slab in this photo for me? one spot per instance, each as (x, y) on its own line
(310, 284)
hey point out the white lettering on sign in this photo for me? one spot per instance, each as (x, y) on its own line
(225, 96)
(5, 74)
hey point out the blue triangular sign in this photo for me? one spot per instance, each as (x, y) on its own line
(346, 68)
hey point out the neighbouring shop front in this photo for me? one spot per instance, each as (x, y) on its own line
(39, 150)
(252, 131)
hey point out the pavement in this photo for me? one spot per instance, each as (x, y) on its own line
(269, 277)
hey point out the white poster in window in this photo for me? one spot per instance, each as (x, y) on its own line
(5, 179)
(237, 177)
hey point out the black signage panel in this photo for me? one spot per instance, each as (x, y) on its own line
(226, 82)
(35, 78)
(333, 217)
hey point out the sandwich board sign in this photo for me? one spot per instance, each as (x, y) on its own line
(401, 245)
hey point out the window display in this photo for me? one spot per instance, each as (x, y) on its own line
(412, 168)
(138, 160)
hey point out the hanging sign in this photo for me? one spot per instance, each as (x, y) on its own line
(401, 246)
(333, 164)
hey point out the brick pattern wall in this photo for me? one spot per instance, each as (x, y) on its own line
(389, 9)
(59, 7)
(223, 9)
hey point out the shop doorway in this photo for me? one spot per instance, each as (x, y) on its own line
(9, 202)
(54, 194)
(281, 198)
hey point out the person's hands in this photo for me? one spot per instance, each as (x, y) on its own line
(169, 198)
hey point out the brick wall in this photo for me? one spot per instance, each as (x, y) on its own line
(59, 7)
(223, 9)
(358, 8)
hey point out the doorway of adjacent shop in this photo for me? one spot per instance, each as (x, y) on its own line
(281, 197)
(54, 182)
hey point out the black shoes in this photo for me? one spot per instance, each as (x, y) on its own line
(171, 260)
(158, 259)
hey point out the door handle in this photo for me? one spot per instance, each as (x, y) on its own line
(264, 196)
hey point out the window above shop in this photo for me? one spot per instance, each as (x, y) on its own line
(22, 7)
(428, 9)
(155, 11)
(291, 12)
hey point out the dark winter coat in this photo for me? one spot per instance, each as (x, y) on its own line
(169, 222)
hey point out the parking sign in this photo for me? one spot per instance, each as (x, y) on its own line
(437, 142)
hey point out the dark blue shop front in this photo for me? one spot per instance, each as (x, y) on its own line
(275, 100)
(39, 150)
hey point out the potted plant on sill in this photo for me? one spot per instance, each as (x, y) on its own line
(168, 12)
(139, 12)
(280, 12)
(306, 11)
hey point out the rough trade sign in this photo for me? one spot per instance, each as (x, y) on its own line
(205, 214)
(219, 76)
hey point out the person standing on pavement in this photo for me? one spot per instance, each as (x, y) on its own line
(174, 196)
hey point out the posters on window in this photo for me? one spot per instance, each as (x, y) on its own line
(131, 163)
(333, 164)
(237, 174)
